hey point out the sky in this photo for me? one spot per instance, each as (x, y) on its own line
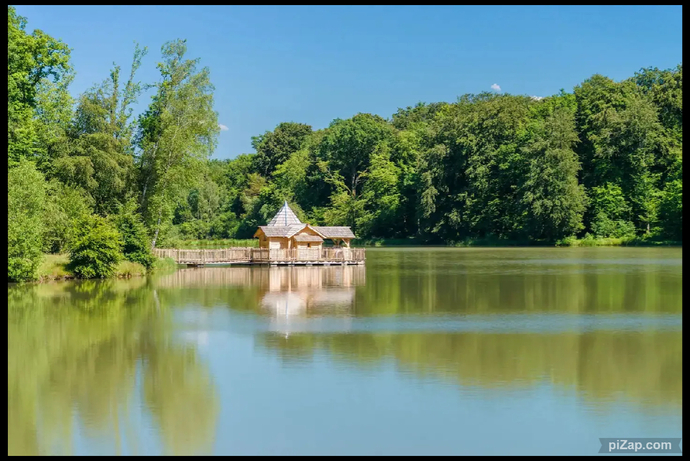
(313, 64)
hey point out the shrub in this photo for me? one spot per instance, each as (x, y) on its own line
(96, 248)
(25, 196)
(602, 226)
(136, 244)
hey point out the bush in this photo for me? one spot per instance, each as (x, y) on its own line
(604, 227)
(136, 244)
(96, 248)
(25, 196)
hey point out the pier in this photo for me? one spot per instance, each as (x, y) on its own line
(273, 256)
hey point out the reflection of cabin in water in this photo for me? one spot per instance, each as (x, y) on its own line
(278, 278)
(285, 231)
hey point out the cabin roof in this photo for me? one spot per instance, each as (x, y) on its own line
(307, 238)
(330, 232)
(281, 231)
(285, 217)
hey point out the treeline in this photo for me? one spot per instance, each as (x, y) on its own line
(604, 161)
(88, 178)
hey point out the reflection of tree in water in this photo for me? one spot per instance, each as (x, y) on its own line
(180, 394)
(75, 346)
(645, 367)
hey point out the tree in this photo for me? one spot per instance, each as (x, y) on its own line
(381, 196)
(671, 210)
(177, 133)
(25, 197)
(31, 60)
(101, 156)
(554, 200)
(275, 147)
(135, 240)
(346, 151)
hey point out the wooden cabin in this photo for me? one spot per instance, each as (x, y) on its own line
(285, 231)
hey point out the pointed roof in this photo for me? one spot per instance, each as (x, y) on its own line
(284, 217)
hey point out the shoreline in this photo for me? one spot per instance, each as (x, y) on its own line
(565, 243)
(53, 268)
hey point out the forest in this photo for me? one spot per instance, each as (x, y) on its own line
(89, 178)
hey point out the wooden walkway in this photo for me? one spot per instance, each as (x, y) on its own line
(308, 256)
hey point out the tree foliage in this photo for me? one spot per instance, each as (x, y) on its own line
(95, 248)
(136, 246)
(32, 61)
(176, 134)
(25, 197)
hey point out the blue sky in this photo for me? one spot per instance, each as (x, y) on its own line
(308, 64)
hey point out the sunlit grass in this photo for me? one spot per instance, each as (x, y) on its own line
(589, 241)
(56, 267)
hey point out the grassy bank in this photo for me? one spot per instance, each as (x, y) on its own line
(56, 267)
(493, 242)
(621, 241)
(388, 242)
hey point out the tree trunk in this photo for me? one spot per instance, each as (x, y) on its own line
(158, 228)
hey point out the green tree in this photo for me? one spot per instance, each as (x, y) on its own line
(275, 147)
(100, 159)
(671, 210)
(135, 240)
(555, 201)
(177, 134)
(346, 151)
(31, 60)
(25, 197)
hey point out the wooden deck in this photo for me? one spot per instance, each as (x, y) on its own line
(308, 256)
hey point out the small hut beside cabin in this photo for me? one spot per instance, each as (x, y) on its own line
(286, 231)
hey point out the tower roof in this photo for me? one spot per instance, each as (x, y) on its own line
(284, 217)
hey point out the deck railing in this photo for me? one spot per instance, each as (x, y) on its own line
(238, 255)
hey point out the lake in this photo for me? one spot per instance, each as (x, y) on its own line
(420, 351)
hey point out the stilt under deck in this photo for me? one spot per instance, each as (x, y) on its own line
(291, 257)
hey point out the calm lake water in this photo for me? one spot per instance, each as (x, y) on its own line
(421, 351)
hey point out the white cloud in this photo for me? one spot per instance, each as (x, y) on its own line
(222, 127)
(495, 87)
(537, 98)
